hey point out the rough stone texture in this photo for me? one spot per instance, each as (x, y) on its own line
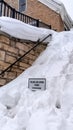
(10, 50)
(39, 11)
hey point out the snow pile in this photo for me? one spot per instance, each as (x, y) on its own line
(52, 109)
(21, 30)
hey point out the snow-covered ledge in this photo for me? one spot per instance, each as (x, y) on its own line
(21, 30)
(10, 50)
(13, 37)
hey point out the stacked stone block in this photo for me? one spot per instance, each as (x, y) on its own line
(10, 50)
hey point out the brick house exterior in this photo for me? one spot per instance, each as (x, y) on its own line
(37, 10)
(13, 3)
(44, 14)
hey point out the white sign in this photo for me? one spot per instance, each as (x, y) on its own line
(37, 84)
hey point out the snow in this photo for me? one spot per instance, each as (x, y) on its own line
(52, 109)
(21, 30)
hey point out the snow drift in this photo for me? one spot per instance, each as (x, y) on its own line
(52, 109)
(18, 29)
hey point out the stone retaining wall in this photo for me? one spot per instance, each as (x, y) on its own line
(10, 50)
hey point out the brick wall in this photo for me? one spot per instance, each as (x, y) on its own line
(38, 10)
(10, 50)
(13, 3)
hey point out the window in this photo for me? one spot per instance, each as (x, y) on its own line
(22, 5)
(0, 9)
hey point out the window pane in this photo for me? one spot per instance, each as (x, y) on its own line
(22, 5)
(0, 9)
